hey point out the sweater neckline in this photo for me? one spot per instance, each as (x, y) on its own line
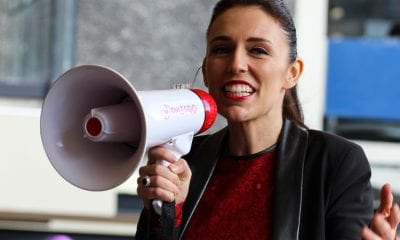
(252, 155)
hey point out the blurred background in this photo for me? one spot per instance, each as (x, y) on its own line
(351, 87)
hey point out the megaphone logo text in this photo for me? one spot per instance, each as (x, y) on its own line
(169, 111)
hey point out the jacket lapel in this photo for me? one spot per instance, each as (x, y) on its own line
(205, 159)
(289, 182)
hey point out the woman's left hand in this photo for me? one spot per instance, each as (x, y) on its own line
(386, 219)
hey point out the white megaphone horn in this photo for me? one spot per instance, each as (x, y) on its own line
(96, 128)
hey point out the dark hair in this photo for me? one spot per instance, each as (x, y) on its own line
(277, 9)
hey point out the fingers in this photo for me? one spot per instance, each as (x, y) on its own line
(367, 234)
(381, 227)
(160, 173)
(394, 217)
(386, 200)
(168, 182)
(385, 221)
(163, 184)
(155, 192)
(159, 182)
(161, 153)
(182, 169)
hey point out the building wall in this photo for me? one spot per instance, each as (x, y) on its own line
(154, 44)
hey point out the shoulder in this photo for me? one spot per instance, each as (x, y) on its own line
(337, 173)
(335, 152)
(321, 140)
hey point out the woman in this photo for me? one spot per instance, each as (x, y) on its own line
(264, 176)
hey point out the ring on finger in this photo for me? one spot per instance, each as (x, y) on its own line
(146, 181)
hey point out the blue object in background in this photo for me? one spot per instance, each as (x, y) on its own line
(363, 79)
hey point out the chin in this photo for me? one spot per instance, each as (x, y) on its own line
(234, 115)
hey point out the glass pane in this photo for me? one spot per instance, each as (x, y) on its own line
(363, 17)
(25, 34)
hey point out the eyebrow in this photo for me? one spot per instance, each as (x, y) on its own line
(251, 39)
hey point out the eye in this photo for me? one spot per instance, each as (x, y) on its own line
(220, 50)
(259, 51)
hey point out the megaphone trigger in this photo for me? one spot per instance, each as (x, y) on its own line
(179, 146)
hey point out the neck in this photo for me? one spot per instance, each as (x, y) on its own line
(249, 138)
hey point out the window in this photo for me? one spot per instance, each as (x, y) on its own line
(363, 75)
(37, 38)
(366, 18)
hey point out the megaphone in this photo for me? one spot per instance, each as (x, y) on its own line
(96, 128)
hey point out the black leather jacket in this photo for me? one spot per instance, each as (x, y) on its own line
(322, 188)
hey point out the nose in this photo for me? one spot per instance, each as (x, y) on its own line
(239, 63)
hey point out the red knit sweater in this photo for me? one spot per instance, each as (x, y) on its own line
(237, 201)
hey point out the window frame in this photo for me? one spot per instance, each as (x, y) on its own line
(61, 52)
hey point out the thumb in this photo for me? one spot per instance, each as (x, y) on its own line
(386, 200)
(182, 169)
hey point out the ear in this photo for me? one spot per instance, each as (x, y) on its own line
(204, 71)
(294, 72)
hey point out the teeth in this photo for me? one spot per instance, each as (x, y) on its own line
(239, 89)
(238, 94)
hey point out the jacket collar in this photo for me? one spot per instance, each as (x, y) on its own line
(287, 195)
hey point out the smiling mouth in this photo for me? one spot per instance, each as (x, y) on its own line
(238, 90)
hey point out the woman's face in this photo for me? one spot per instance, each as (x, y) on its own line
(247, 67)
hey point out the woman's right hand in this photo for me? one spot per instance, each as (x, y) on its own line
(166, 183)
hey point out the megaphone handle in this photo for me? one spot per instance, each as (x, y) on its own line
(179, 146)
(157, 204)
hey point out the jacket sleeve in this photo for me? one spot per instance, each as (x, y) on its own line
(350, 199)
